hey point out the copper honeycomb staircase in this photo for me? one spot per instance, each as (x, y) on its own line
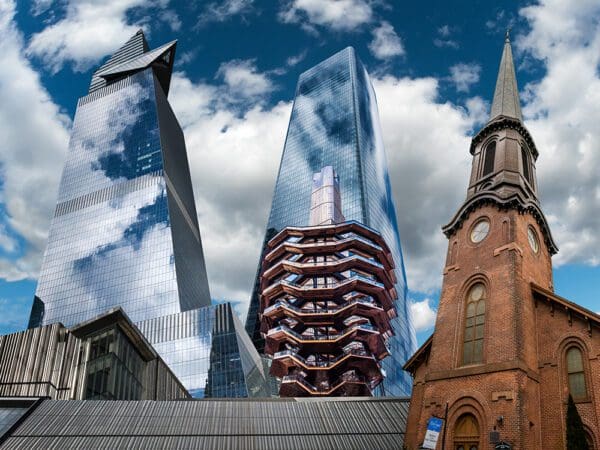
(327, 297)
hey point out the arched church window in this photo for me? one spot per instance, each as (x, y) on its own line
(505, 231)
(489, 158)
(474, 325)
(466, 433)
(526, 165)
(453, 252)
(576, 374)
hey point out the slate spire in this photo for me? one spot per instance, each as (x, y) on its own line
(506, 96)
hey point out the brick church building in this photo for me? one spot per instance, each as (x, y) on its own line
(506, 350)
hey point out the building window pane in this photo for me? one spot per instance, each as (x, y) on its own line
(526, 172)
(490, 156)
(474, 325)
(576, 373)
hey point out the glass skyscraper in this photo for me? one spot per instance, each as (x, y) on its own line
(125, 230)
(335, 122)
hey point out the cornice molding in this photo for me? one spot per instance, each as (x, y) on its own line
(501, 123)
(513, 202)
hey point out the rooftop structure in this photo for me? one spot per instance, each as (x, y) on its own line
(325, 199)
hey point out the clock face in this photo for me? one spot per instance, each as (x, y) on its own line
(533, 239)
(480, 230)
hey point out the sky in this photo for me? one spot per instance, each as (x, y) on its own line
(433, 66)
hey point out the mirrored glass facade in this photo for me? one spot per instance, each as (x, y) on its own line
(125, 230)
(335, 123)
(184, 341)
(209, 351)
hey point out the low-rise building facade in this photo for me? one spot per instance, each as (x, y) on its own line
(104, 358)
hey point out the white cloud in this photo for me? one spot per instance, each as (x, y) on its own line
(296, 59)
(34, 135)
(464, 75)
(479, 110)
(386, 43)
(184, 58)
(446, 43)
(427, 144)
(243, 79)
(7, 242)
(233, 161)
(339, 15)
(40, 6)
(562, 114)
(501, 22)
(171, 18)
(91, 30)
(444, 39)
(222, 11)
(444, 31)
(422, 315)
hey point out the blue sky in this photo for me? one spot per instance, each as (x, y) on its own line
(433, 66)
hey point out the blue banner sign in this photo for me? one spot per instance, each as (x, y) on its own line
(434, 427)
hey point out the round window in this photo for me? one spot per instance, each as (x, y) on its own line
(480, 230)
(534, 243)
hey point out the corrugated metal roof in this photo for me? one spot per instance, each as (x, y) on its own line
(215, 424)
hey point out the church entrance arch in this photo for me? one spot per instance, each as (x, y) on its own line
(466, 433)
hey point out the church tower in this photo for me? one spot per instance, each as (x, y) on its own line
(480, 367)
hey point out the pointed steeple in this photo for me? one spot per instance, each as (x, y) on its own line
(506, 96)
(504, 156)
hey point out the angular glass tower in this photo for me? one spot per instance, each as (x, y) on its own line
(209, 351)
(125, 231)
(335, 122)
